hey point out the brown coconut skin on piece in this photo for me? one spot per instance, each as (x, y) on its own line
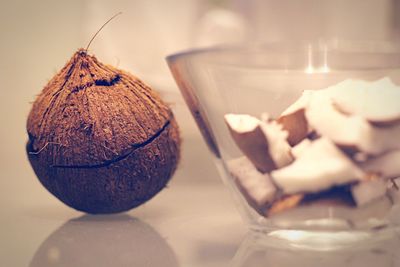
(100, 140)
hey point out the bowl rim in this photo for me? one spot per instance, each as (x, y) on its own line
(352, 55)
(347, 46)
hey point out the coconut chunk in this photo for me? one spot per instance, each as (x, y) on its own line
(377, 101)
(298, 149)
(242, 123)
(385, 139)
(279, 148)
(367, 191)
(346, 130)
(251, 140)
(257, 188)
(263, 142)
(294, 121)
(386, 165)
(320, 166)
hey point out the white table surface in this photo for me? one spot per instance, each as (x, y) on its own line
(187, 224)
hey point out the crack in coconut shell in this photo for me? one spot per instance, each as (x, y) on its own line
(120, 186)
(97, 112)
(119, 158)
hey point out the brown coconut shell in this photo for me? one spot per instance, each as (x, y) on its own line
(100, 139)
(296, 125)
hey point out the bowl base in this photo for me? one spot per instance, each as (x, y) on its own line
(322, 240)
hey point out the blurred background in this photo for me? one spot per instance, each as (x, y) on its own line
(38, 37)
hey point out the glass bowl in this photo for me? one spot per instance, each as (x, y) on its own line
(259, 78)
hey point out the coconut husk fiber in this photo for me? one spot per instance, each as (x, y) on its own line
(101, 140)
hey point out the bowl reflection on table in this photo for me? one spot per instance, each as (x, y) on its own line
(268, 78)
(104, 241)
(255, 251)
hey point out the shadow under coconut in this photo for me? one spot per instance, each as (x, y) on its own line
(254, 251)
(118, 240)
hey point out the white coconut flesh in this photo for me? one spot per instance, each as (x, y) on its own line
(378, 101)
(349, 130)
(257, 188)
(321, 166)
(279, 148)
(367, 191)
(386, 165)
(360, 115)
(251, 140)
(242, 123)
(270, 134)
(299, 149)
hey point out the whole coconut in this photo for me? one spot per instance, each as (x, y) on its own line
(101, 140)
